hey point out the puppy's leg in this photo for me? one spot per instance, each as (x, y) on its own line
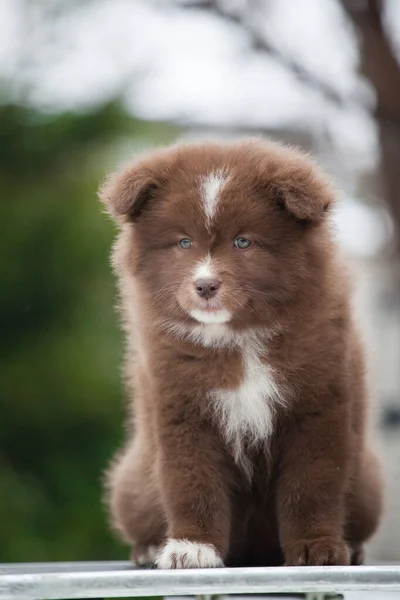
(364, 504)
(195, 488)
(134, 502)
(311, 489)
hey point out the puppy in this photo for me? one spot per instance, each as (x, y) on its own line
(247, 441)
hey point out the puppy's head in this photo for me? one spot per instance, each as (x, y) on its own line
(221, 233)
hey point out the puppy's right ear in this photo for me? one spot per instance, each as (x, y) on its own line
(126, 194)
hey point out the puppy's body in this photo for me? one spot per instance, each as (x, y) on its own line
(247, 442)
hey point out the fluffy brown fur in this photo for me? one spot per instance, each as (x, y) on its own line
(247, 441)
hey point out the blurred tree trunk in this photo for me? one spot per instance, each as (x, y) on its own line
(379, 64)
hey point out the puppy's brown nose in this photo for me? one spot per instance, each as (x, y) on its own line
(207, 288)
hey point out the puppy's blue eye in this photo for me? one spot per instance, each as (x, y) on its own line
(186, 243)
(242, 243)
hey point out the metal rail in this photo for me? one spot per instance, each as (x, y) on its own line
(43, 581)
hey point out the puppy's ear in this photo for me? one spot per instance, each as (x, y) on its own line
(304, 193)
(128, 193)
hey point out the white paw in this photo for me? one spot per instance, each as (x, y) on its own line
(146, 556)
(183, 554)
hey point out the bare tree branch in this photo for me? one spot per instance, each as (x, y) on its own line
(261, 44)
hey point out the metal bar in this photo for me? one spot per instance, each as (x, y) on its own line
(103, 580)
(323, 596)
(64, 567)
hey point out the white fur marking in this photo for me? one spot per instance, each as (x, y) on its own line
(247, 412)
(183, 554)
(211, 335)
(148, 557)
(214, 317)
(204, 269)
(211, 186)
(215, 335)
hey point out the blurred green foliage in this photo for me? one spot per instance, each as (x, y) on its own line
(61, 406)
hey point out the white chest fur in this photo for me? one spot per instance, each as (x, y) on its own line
(246, 413)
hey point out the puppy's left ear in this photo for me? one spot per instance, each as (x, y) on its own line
(304, 193)
(127, 193)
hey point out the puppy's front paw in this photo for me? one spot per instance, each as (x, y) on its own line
(144, 556)
(184, 554)
(317, 552)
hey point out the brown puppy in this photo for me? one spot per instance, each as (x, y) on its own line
(247, 442)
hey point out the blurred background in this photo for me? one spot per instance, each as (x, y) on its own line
(85, 84)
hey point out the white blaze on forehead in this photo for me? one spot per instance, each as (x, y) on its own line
(211, 186)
